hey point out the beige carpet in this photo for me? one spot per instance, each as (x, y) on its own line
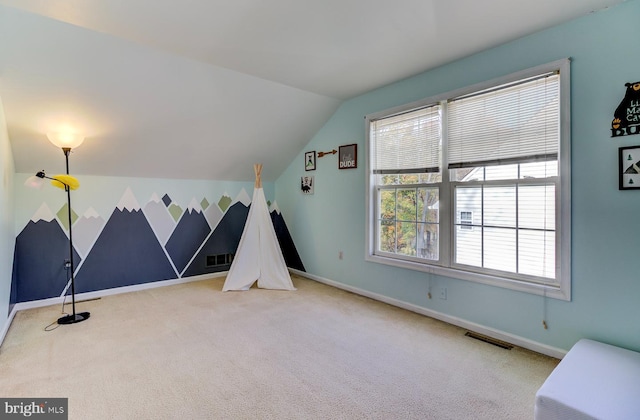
(192, 352)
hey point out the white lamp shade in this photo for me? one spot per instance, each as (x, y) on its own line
(65, 140)
(34, 182)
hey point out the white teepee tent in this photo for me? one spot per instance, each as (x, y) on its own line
(258, 257)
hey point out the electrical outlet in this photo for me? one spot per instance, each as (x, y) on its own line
(340, 255)
(443, 293)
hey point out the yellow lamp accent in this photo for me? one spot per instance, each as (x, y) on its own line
(65, 140)
(61, 180)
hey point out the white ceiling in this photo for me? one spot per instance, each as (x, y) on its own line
(202, 89)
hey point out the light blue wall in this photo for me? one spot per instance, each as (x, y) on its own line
(7, 232)
(605, 221)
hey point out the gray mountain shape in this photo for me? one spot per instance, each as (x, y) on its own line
(160, 220)
(85, 233)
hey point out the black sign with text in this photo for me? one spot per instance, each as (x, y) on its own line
(626, 118)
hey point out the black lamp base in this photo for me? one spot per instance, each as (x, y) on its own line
(74, 318)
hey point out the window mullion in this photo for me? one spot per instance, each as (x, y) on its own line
(446, 216)
(518, 223)
(395, 221)
(482, 213)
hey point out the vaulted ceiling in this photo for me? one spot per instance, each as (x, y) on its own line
(202, 89)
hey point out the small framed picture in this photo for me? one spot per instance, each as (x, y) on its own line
(310, 161)
(348, 156)
(306, 185)
(629, 171)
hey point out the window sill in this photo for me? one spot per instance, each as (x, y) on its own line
(555, 292)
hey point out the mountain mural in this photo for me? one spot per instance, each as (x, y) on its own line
(224, 202)
(159, 218)
(86, 231)
(191, 231)
(127, 252)
(213, 214)
(39, 265)
(223, 240)
(135, 245)
(289, 251)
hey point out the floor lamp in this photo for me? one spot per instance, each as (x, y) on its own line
(66, 142)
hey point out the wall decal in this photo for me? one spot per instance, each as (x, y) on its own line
(127, 252)
(289, 251)
(323, 154)
(191, 231)
(63, 216)
(223, 240)
(310, 161)
(86, 231)
(133, 245)
(306, 185)
(159, 217)
(213, 214)
(348, 156)
(243, 197)
(225, 202)
(629, 168)
(626, 118)
(41, 261)
(176, 211)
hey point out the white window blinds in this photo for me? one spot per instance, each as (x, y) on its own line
(518, 122)
(407, 143)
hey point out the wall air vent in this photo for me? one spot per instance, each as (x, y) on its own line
(218, 260)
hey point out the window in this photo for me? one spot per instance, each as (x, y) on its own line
(474, 184)
(466, 220)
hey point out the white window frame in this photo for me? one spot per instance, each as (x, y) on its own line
(561, 289)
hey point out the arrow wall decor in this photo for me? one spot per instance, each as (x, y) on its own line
(321, 154)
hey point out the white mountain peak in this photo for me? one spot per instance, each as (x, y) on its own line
(91, 213)
(243, 197)
(274, 207)
(128, 201)
(43, 213)
(194, 206)
(154, 198)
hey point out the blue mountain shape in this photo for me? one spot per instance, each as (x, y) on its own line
(289, 251)
(39, 262)
(127, 252)
(186, 238)
(226, 237)
(224, 240)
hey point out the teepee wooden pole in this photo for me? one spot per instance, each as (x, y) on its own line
(257, 168)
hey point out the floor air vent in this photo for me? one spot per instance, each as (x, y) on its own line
(490, 340)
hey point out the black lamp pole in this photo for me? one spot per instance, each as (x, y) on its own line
(82, 316)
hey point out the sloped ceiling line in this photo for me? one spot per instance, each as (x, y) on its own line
(204, 89)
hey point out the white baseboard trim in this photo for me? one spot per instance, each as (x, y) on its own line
(7, 324)
(481, 329)
(99, 294)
